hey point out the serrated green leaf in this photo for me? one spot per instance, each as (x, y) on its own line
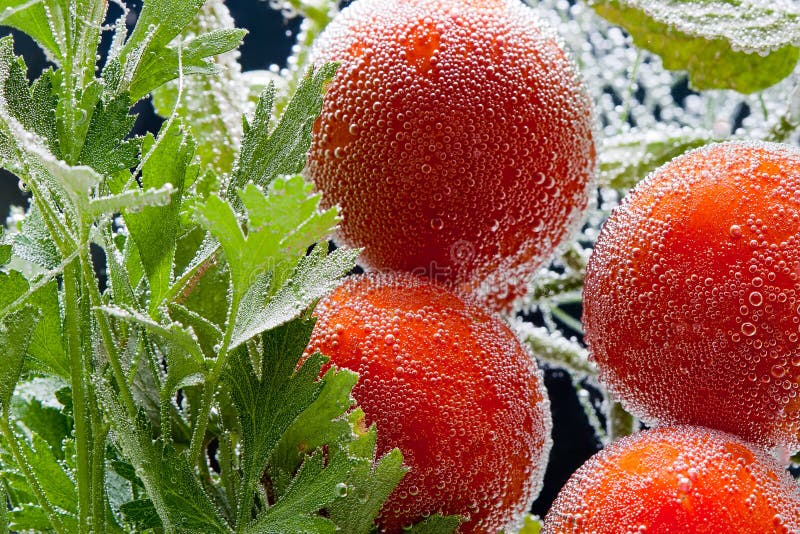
(55, 482)
(177, 495)
(368, 486)
(47, 341)
(212, 106)
(31, 18)
(280, 227)
(315, 487)
(33, 107)
(325, 421)
(627, 158)
(274, 227)
(314, 277)
(74, 113)
(34, 244)
(141, 514)
(146, 61)
(160, 21)
(189, 58)
(531, 525)
(106, 148)
(155, 228)
(46, 421)
(267, 154)
(707, 38)
(15, 336)
(270, 397)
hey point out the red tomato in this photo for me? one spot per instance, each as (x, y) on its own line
(692, 294)
(456, 137)
(452, 387)
(680, 480)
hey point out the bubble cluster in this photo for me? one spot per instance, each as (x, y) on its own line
(453, 123)
(452, 387)
(692, 294)
(674, 481)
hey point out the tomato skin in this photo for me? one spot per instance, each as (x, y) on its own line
(457, 139)
(452, 387)
(692, 294)
(678, 480)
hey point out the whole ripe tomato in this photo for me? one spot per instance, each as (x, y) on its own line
(451, 386)
(457, 139)
(678, 480)
(692, 294)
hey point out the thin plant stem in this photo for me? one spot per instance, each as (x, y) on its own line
(73, 327)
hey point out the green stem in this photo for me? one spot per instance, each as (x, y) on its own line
(566, 318)
(558, 350)
(620, 422)
(3, 510)
(629, 91)
(99, 472)
(73, 326)
(548, 287)
(23, 465)
(106, 335)
(210, 386)
(166, 416)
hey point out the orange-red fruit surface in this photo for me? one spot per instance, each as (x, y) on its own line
(678, 480)
(451, 387)
(456, 137)
(692, 294)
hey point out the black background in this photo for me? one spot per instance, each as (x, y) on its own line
(269, 42)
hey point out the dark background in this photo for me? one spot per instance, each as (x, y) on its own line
(268, 43)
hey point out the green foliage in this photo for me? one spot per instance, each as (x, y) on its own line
(628, 157)
(531, 525)
(177, 396)
(723, 44)
(268, 153)
(198, 307)
(212, 106)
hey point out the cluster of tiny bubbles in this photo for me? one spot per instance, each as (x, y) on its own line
(682, 479)
(450, 122)
(451, 386)
(692, 295)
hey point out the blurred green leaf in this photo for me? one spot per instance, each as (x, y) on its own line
(531, 525)
(625, 159)
(723, 44)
